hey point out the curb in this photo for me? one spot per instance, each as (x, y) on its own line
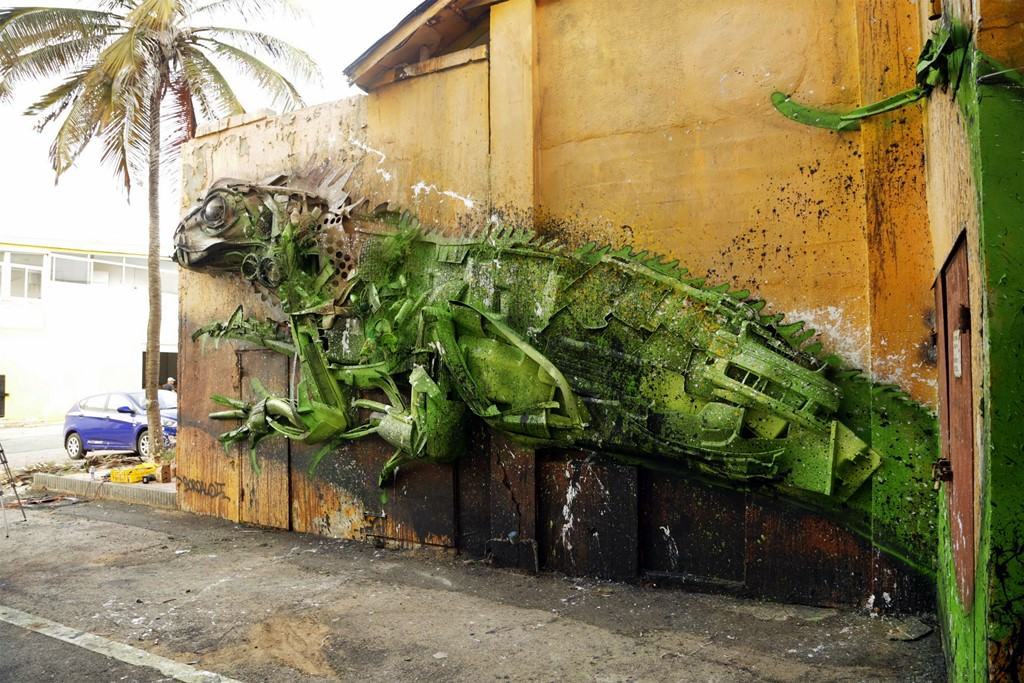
(138, 494)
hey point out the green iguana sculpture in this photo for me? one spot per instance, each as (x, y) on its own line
(607, 350)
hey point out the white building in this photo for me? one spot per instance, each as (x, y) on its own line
(73, 323)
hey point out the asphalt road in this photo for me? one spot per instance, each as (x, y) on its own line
(26, 446)
(34, 657)
(99, 591)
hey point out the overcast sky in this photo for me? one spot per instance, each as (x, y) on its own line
(88, 208)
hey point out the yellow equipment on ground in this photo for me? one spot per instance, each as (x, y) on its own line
(144, 472)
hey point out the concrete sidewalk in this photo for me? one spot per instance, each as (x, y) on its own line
(261, 605)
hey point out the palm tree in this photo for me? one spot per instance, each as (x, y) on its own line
(128, 67)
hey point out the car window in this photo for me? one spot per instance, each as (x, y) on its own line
(95, 402)
(118, 400)
(168, 399)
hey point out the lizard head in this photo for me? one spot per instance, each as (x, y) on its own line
(230, 223)
(249, 228)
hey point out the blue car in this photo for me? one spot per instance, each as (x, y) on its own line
(117, 422)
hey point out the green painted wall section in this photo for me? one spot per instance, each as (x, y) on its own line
(987, 642)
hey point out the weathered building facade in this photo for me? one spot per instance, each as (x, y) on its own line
(640, 123)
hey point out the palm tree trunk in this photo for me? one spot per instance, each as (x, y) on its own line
(153, 262)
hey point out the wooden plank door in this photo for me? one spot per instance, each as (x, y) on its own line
(264, 496)
(956, 410)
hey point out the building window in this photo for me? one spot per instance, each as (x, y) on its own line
(70, 269)
(136, 273)
(107, 270)
(21, 275)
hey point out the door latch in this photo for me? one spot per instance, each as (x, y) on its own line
(942, 470)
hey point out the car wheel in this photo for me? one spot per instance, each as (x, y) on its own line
(142, 445)
(74, 446)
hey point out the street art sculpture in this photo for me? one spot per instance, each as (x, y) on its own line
(607, 350)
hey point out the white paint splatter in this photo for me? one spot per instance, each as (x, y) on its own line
(852, 343)
(673, 549)
(422, 188)
(839, 334)
(568, 519)
(898, 367)
(381, 158)
(369, 150)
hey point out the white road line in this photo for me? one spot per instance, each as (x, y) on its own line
(110, 648)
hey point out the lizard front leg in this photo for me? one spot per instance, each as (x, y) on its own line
(262, 333)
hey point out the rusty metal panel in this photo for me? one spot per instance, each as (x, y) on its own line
(958, 411)
(899, 588)
(473, 496)
(587, 517)
(420, 507)
(797, 556)
(690, 532)
(208, 479)
(340, 499)
(513, 504)
(264, 496)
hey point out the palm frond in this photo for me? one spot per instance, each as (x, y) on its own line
(51, 105)
(282, 92)
(28, 28)
(209, 86)
(125, 133)
(49, 61)
(292, 59)
(109, 102)
(84, 117)
(181, 112)
(155, 16)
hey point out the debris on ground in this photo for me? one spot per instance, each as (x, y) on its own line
(909, 628)
(37, 501)
(24, 475)
(104, 461)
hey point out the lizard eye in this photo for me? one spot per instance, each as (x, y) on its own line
(214, 211)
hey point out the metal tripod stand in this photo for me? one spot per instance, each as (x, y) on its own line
(5, 471)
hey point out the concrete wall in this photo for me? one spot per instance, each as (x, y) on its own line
(655, 127)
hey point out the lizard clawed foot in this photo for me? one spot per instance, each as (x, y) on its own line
(260, 419)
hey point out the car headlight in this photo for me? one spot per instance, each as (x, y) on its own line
(168, 423)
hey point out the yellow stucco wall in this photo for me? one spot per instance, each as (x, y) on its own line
(654, 126)
(420, 144)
